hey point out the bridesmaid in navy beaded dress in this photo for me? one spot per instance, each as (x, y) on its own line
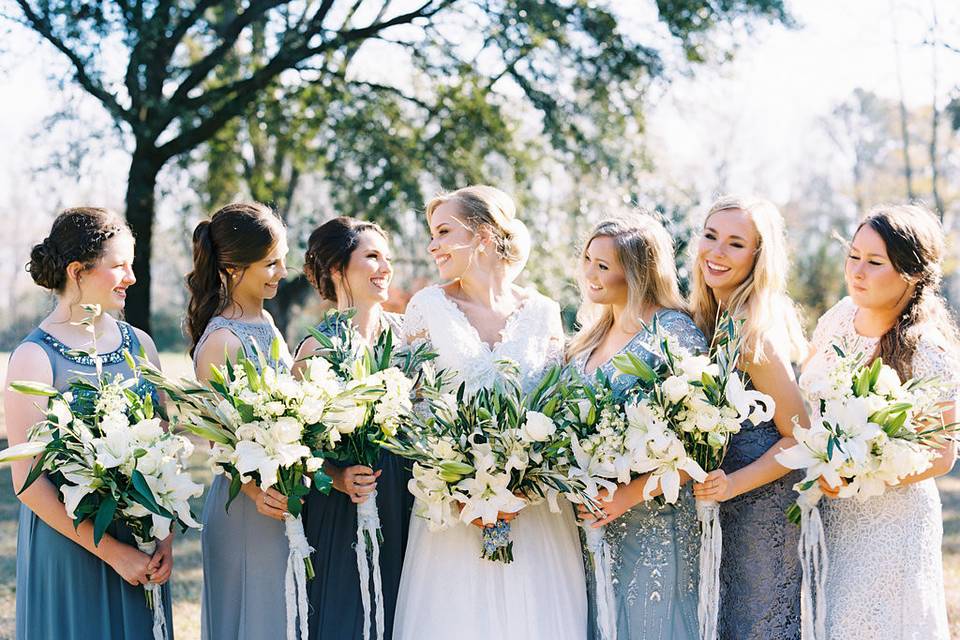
(238, 262)
(348, 261)
(628, 279)
(740, 266)
(67, 588)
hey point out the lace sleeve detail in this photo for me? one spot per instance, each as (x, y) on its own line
(556, 340)
(415, 325)
(834, 323)
(681, 326)
(934, 359)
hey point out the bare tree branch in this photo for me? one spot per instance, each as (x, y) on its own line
(42, 26)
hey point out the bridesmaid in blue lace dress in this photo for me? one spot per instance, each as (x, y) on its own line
(348, 261)
(238, 262)
(740, 266)
(68, 588)
(628, 278)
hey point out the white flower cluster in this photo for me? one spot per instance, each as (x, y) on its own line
(679, 422)
(121, 453)
(282, 409)
(865, 433)
(394, 405)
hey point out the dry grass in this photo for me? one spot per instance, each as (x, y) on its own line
(188, 574)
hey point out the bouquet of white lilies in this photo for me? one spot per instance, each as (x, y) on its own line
(386, 377)
(490, 453)
(867, 432)
(271, 428)
(103, 444)
(688, 408)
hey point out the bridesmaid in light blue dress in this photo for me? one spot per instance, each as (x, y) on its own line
(67, 588)
(740, 266)
(238, 258)
(629, 279)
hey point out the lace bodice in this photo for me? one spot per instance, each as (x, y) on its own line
(932, 358)
(885, 577)
(532, 337)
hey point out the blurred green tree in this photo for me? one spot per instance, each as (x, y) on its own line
(174, 73)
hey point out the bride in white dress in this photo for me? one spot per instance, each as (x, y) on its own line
(479, 317)
(885, 575)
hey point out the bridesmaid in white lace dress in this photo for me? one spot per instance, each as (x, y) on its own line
(477, 318)
(885, 576)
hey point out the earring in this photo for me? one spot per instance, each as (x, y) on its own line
(483, 249)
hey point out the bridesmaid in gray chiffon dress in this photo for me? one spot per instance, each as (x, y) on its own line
(655, 548)
(238, 262)
(63, 590)
(244, 552)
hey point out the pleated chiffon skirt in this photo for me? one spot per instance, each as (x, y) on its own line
(66, 592)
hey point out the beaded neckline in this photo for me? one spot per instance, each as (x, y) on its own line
(114, 357)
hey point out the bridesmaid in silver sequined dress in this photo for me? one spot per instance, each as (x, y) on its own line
(629, 279)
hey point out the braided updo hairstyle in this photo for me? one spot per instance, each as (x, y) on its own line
(489, 208)
(77, 235)
(329, 249)
(234, 237)
(914, 242)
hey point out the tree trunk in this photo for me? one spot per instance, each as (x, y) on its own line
(141, 202)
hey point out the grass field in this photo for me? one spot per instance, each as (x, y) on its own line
(188, 575)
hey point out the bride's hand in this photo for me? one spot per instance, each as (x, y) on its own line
(501, 515)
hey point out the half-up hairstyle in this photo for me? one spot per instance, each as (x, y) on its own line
(761, 300)
(490, 209)
(914, 242)
(234, 237)
(645, 251)
(329, 249)
(77, 235)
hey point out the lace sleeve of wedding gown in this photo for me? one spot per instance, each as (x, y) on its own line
(556, 341)
(415, 326)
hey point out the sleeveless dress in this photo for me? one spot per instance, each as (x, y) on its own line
(63, 590)
(655, 548)
(885, 577)
(759, 570)
(446, 589)
(244, 552)
(330, 524)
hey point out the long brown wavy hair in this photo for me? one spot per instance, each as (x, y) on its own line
(915, 246)
(234, 237)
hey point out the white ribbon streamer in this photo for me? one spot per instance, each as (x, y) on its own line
(602, 574)
(814, 563)
(711, 550)
(368, 532)
(154, 596)
(295, 582)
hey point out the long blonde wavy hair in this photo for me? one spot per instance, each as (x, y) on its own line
(761, 300)
(645, 251)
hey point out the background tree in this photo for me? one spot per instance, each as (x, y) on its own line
(169, 74)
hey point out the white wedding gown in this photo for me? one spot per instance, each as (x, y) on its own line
(885, 575)
(446, 589)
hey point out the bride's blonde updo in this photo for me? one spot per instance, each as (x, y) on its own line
(483, 207)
